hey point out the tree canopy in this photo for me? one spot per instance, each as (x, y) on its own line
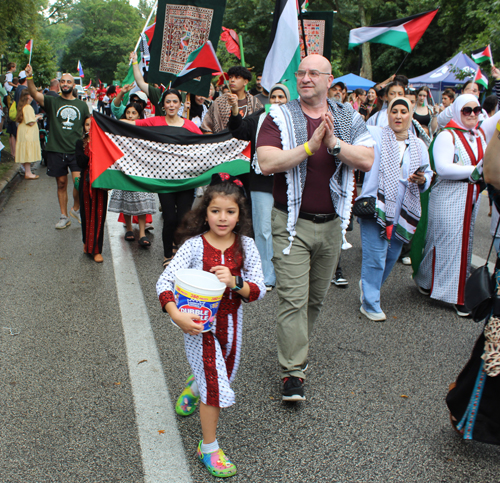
(100, 33)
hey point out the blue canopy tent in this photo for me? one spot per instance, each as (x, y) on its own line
(443, 77)
(353, 81)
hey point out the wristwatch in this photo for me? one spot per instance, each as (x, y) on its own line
(239, 283)
(336, 149)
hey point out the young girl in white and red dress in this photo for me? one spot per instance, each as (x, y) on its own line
(215, 238)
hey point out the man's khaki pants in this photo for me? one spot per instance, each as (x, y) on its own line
(302, 281)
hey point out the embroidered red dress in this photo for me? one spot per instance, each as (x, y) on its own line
(214, 356)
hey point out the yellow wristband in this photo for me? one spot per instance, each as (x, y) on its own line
(308, 151)
(134, 63)
(31, 77)
(498, 126)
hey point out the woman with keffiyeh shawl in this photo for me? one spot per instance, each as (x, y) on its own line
(396, 186)
(441, 270)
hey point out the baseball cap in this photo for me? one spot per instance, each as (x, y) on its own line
(22, 75)
(143, 97)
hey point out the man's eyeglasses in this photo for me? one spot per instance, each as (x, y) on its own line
(467, 111)
(313, 74)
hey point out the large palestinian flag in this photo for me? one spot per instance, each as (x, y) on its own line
(160, 159)
(403, 33)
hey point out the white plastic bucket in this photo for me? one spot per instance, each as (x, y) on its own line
(198, 292)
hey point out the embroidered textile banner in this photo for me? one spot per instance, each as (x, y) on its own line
(318, 27)
(181, 27)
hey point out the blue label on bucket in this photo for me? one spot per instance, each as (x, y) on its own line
(205, 307)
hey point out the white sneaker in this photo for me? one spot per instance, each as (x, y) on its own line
(406, 260)
(63, 222)
(375, 316)
(76, 215)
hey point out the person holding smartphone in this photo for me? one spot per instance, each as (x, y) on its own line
(457, 157)
(399, 174)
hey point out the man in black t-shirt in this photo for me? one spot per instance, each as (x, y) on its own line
(67, 116)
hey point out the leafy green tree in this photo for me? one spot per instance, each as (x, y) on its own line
(110, 29)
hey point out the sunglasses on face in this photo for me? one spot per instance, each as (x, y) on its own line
(467, 111)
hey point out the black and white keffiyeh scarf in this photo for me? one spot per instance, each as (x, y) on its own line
(388, 186)
(349, 127)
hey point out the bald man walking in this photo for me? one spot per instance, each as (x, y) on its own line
(312, 146)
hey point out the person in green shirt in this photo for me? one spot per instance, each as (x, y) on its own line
(67, 116)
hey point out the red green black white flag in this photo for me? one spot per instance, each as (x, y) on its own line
(202, 61)
(28, 48)
(403, 33)
(481, 79)
(481, 55)
(160, 159)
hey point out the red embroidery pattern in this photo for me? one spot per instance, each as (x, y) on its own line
(210, 368)
(230, 301)
(185, 29)
(254, 292)
(165, 298)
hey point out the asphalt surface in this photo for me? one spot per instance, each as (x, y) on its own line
(375, 408)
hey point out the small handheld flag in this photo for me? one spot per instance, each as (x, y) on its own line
(481, 79)
(28, 48)
(202, 61)
(80, 69)
(481, 55)
(230, 37)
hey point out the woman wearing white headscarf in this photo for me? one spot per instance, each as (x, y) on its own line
(395, 185)
(457, 157)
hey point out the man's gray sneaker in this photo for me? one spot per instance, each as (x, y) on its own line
(76, 215)
(63, 222)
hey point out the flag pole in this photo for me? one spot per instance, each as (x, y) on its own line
(303, 31)
(31, 50)
(145, 27)
(400, 65)
(242, 51)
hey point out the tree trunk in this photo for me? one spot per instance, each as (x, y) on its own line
(366, 61)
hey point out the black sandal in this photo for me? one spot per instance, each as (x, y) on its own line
(167, 261)
(129, 236)
(144, 242)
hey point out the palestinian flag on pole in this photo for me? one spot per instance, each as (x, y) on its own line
(160, 159)
(481, 55)
(28, 48)
(283, 58)
(481, 79)
(403, 33)
(202, 61)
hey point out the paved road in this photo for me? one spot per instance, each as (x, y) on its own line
(91, 368)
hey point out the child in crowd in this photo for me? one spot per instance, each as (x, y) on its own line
(215, 238)
(132, 204)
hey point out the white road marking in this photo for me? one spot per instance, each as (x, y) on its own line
(163, 456)
(478, 262)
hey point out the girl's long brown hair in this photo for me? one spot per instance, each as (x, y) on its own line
(23, 100)
(194, 222)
